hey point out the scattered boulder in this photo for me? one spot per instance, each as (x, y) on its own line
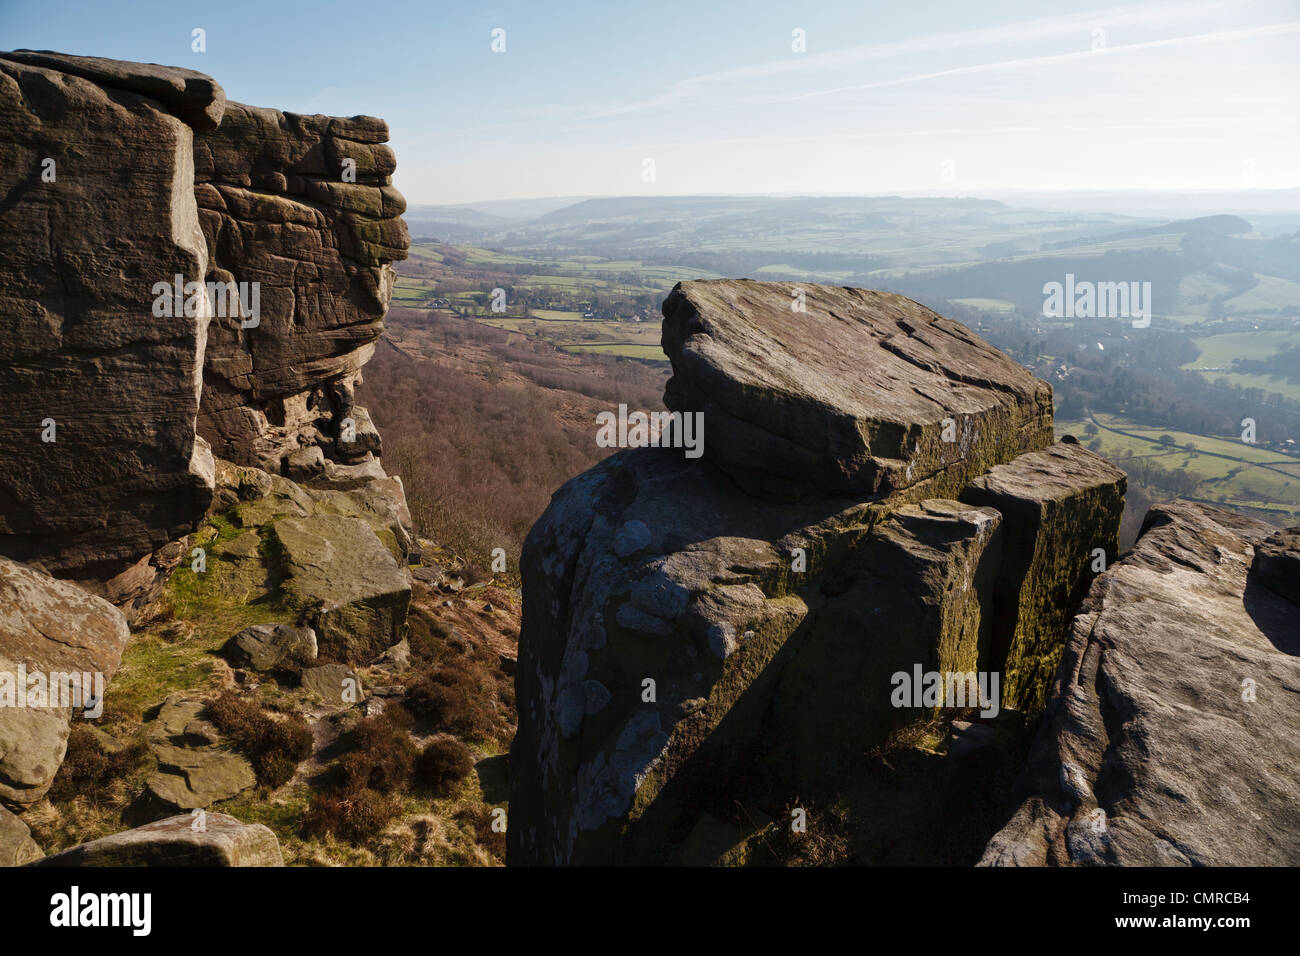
(273, 647)
(336, 684)
(17, 848)
(1169, 737)
(50, 631)
(348, 586)
(817, 388)
(195, 767)
(207, 839)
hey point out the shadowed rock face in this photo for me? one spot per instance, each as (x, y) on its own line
(84, 360)
(850, 395)
(692, 625)
(1062, 508)
(154, 176)
(1169, 739)
(305, 207)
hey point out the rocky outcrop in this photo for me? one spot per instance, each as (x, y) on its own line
(59, 648)
(178, 268)
(815, 388)
(100, 463)
(1061, 508)
(212, 839)
(682, 636)
(1169, 738)
(305, 207)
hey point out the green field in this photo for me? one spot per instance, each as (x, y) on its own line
(1270, 294)
(1218, 351)
(989, 305)
(650, 353)
(1240, 482)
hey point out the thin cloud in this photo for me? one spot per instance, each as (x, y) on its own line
(1273, 29)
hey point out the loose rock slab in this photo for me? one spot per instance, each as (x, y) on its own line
(214, 839)
(860, 393)
(348, 585)
(1170, 735)
(273, 647)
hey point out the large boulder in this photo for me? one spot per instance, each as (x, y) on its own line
(809, 387)
(347, 586)
(1061, 509)
(99, 460)
(1169, 738)
(209, 839)
(48, 629)
(649, 567)
(273, 647)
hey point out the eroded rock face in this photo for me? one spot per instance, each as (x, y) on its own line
(121, 176)
(1169, 738)
(216, 839)
(48, 628)
(649, 566)
(99, 460)
(858, 392)
(305, 207)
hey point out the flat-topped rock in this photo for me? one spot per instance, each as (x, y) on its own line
(192, 96)
(859, 393)
(1169, 738)
(210, 839)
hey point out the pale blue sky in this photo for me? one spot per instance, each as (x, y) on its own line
(960, 97)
